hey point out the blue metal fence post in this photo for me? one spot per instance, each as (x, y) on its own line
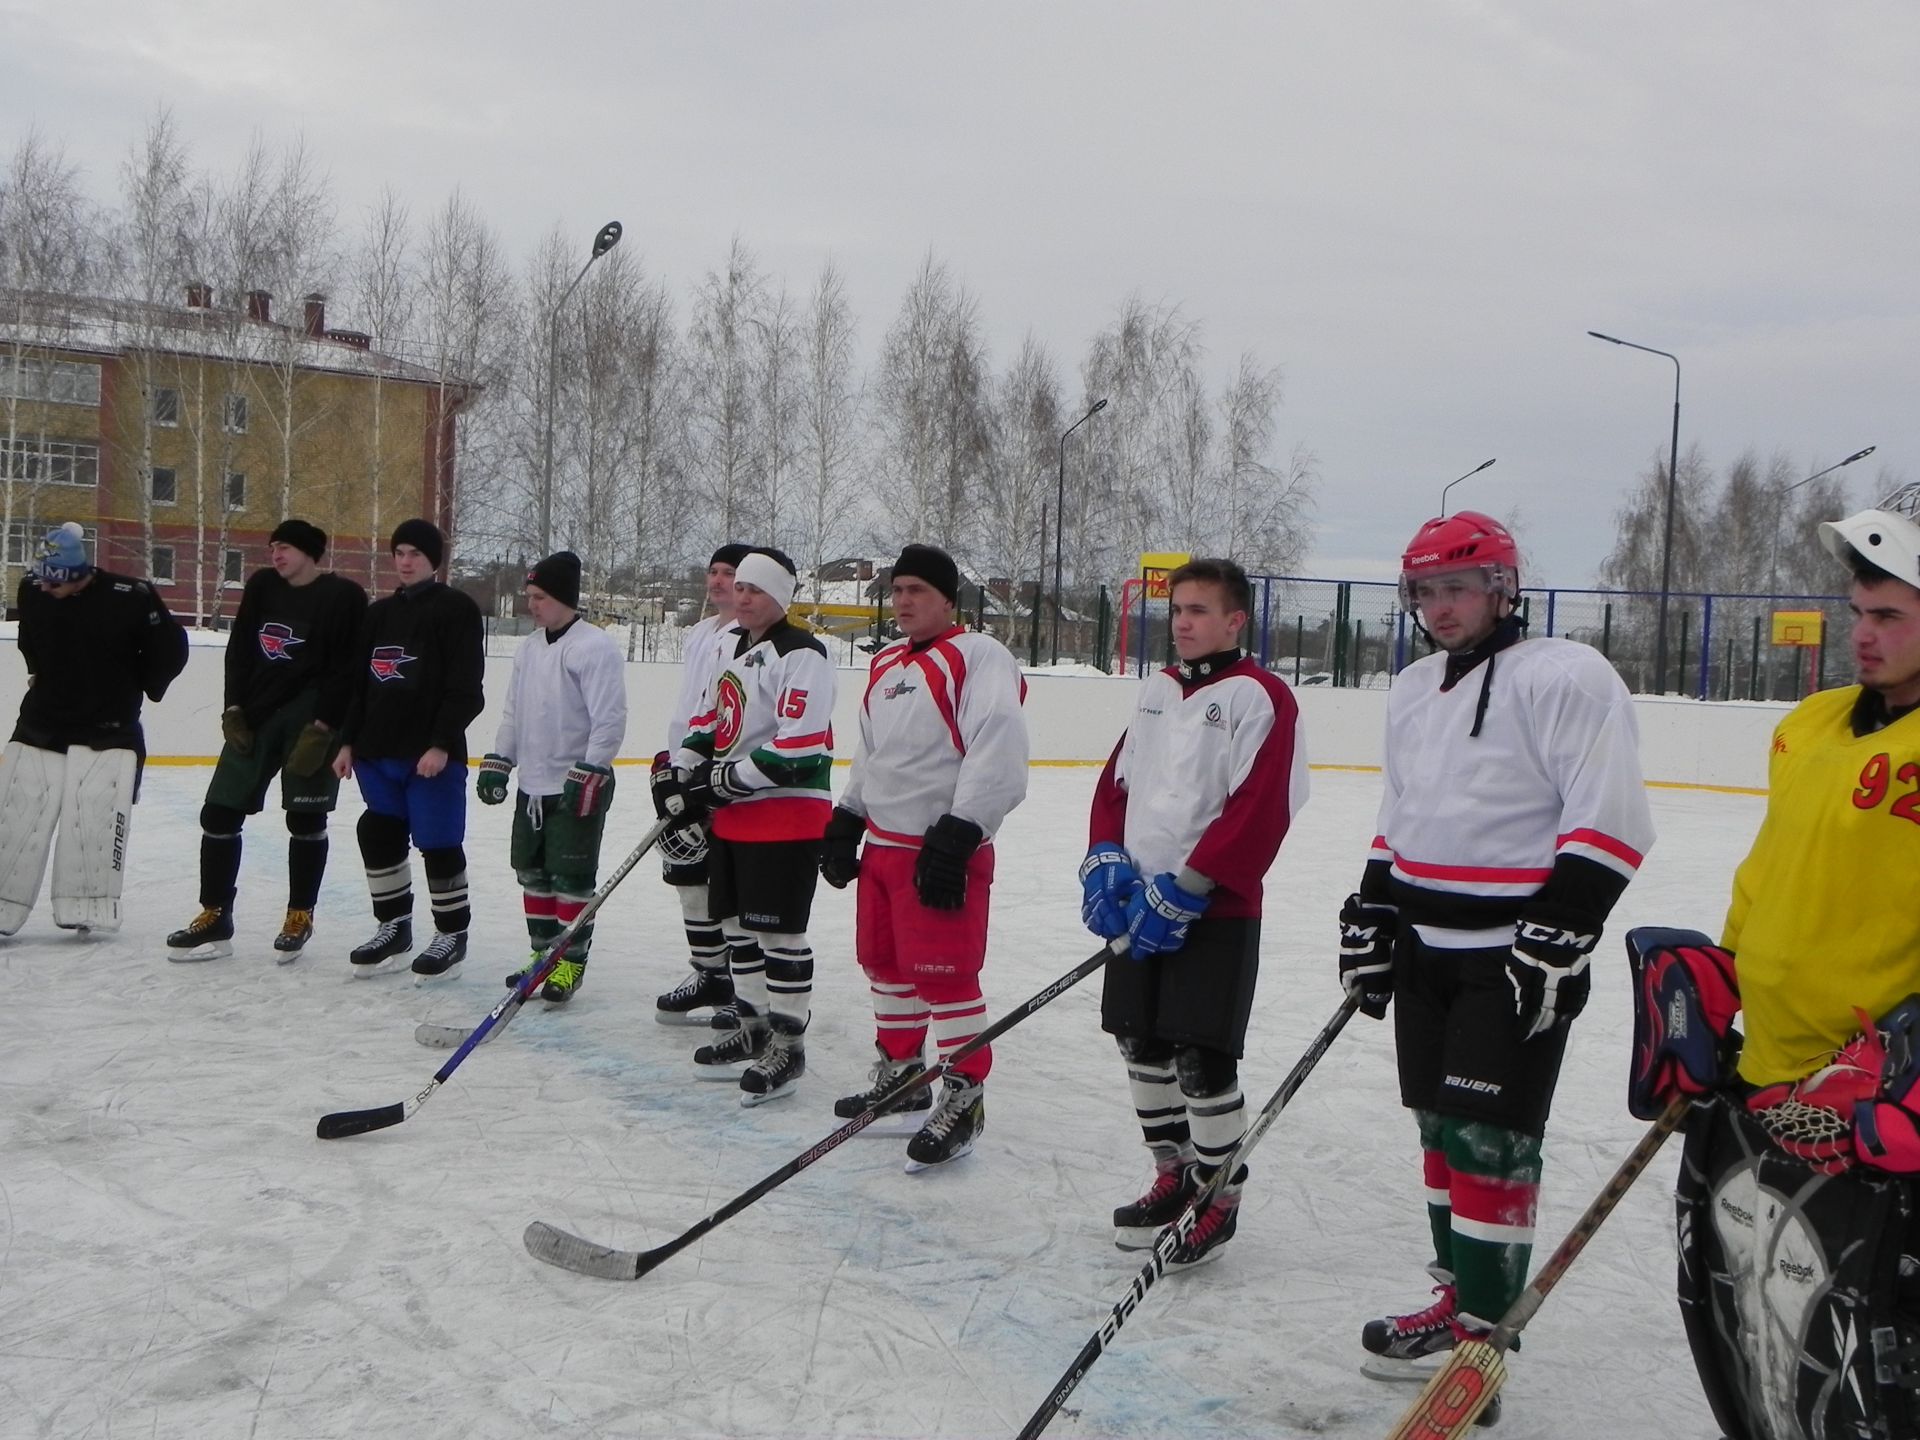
(1706, 644)
(1266, 606)
(1551, 596)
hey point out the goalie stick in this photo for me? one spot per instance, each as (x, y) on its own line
(1466, 1384)
(343, 1123)
(1175, 1235)
(558, 1247)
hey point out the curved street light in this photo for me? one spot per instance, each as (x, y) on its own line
(1666, 543)
(1060, 519)
(605, 240)
(1779, 511)
(1451, 483)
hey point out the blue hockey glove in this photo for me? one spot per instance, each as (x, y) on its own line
(1158, 918)
(1108, 883)
(491, 783)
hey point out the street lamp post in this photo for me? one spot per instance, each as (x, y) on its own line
(1451, 483)
(1666, 543)
(608, 237)
(1060, 519)
(1779, 511)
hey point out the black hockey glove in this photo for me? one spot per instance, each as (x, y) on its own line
(840, 848)
(311, 749)
(239, 734)
(1548, 966)
(940, 875)
(714, 784)
(663, 782)
(1367, 934)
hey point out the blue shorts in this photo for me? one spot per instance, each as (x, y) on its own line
(435, 810)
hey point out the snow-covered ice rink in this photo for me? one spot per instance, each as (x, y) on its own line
(179, 1256)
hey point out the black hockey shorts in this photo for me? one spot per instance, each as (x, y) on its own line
(1800, 1292)
(767, 884)
(1201, 994)
(1460, 1043)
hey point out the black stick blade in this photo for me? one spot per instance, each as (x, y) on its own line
(342, 1123)
(557, 1247)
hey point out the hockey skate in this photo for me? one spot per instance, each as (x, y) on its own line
(209, 937)
(1211, 1230)
(701, 990)
(384, 950)
(295, 931)
(1136, 1226)
(950, 1131)
(441, 958)
(777, 1068)
(885, 1075)
(724, 1059)
(1403, 1347)
(567, 977)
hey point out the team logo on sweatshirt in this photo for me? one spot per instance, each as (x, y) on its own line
(387, 660)
(277, 641)
(730, 712)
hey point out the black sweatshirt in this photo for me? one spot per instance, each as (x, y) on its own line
(92, 656)
(423, 656)
(289, 639)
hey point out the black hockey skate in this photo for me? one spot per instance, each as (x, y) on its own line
(885, 1075)
(441, 959)
(209, 937)
(778, 1067)
(724, 1059)
(1211, 1231)
(565, 981)
(701, 990)
(385, 949)
(1136, 1226)
(295, 931)
(959, 1119)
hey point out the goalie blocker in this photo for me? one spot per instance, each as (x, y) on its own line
(79, 806)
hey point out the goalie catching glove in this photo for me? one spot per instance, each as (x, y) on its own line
(1367, 933)
(1548, 966)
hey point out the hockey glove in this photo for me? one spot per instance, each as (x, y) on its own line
(310, 750)
(1548, 966)
(588, 789)
(1367, 933)
(1158, 918)
(1886, 1129)
(940, 874)
(1814, 1118)
(663, 782)
(840, 847)
(714, 784)
(1684, 1043)
(491, 784)
(1108, 883)
(239, 734)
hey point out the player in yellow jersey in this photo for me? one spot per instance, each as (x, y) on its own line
(1798, 1197)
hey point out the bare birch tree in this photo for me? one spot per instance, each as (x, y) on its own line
(830, 422)
(721, 399)
(384, 286)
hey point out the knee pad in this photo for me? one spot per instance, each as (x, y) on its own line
(444, 862)
(571, 887)
(304, 822)
(1480, 1147)
(536, 881)
(222, 820)
(383, 839)
(1205, 1071)
(1144, 1050)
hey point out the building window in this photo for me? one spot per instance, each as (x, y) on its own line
(51, 462)
(163, 565)
(61, 382)
(233, 567)
(166, 405)
(164, 486)
(236, 490)
(236, 416)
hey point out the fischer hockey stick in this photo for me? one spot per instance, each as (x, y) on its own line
(1466, 1384)
(1175, 1235)
(343, 1123)
(555, 1246)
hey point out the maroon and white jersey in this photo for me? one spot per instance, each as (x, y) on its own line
(1207, 778)
(708, 645)
(941, 732)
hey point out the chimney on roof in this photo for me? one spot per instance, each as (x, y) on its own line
(199, 296)
(316, 316)
(259, 306)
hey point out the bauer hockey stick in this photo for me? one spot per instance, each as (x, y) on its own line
(1175, 1235)
(1466, 1384)
(570, 1252)
(343, 1123)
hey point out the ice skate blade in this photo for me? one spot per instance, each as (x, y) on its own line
(914, 1167)
(681, 1017)
(452, 972)
(1133, 1237)
(379, 967)
(287, 957)
(749, 1099)
(194, 955)
(731, 1071)
(1402, 1372)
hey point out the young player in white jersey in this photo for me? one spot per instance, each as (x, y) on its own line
(563, 721)
(942, 761)
(1513, 818)
(683, 852)
(760, 762)
(1187, 819)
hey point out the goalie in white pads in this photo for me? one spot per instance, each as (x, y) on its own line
(94, 643)
(942, 761)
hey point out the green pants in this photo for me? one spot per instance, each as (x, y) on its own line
(240, 781)
(556, 856)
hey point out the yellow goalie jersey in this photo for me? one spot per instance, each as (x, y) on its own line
(1824, 914)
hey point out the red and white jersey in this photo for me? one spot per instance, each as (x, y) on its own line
(1207, 778)
(706, 645)
(941, 732)
(1471, 825)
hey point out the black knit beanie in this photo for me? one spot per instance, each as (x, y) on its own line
(559, 576)
(936, 567)
(424, 536)
(729, 555)
(302, 536)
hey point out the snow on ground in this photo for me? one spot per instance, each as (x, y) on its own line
(181, 1257)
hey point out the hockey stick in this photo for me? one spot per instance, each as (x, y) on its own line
(1175, 1235)
(1473, 1374)
(343, 1123)
(571, 1252)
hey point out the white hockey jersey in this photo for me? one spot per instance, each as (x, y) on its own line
(1472, 825)
(941, 732)
(707, 645)
(567, 701)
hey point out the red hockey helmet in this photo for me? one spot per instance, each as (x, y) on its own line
(1466, 540)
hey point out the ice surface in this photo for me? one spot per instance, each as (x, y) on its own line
(179, 1256)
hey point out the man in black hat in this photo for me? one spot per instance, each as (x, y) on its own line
(564, 719)
(405, 740)
(291, 670)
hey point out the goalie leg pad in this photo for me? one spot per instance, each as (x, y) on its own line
(90, 851)
(1790, 1288)
(31, 781)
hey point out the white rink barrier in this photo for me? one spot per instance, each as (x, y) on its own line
(1072, 718)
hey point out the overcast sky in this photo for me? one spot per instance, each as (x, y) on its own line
(1417, 210)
